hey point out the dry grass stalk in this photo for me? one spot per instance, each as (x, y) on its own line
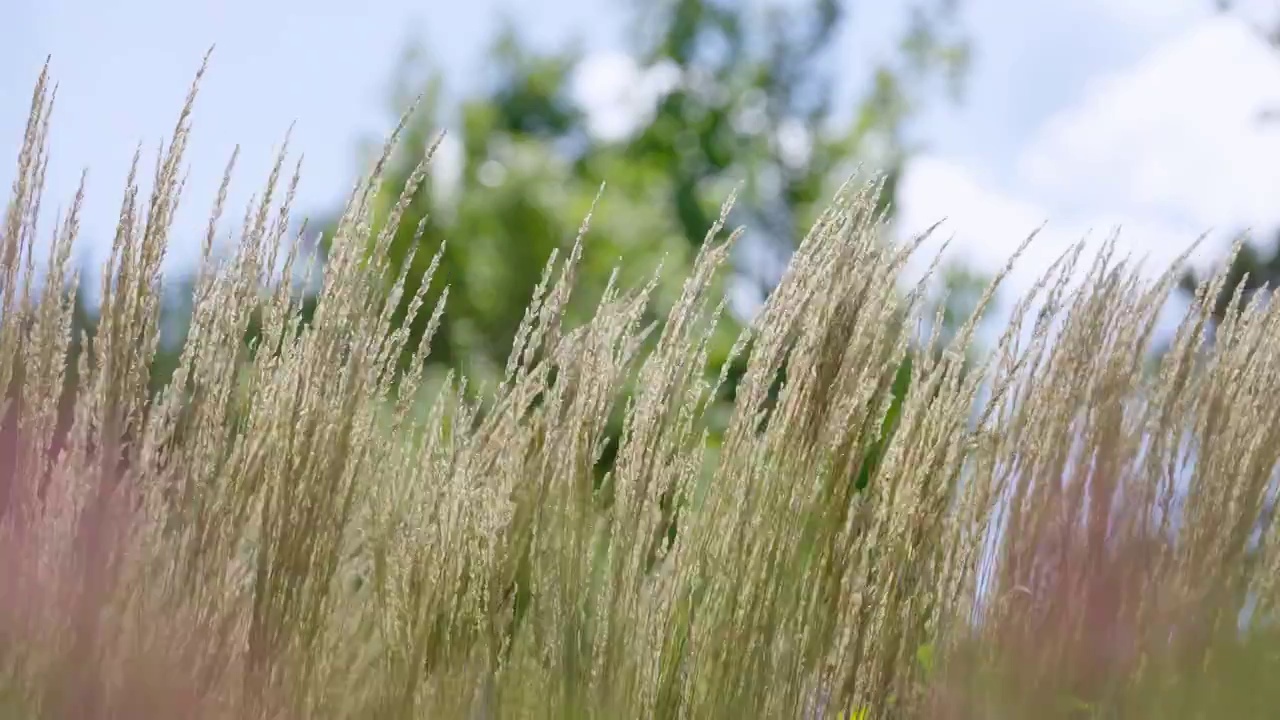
(281, 533)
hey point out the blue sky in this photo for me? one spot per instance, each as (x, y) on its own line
(1082, 113)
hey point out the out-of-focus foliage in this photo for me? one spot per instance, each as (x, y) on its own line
(1251, 270)
(728, 97)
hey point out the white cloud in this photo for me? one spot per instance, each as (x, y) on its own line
(988, 224)
(985, 226)
(1178, 135)
(617, 94)
(1163, 151)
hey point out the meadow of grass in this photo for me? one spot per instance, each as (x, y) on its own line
(1067, 528)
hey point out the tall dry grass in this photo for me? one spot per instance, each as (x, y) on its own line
(1065, 530)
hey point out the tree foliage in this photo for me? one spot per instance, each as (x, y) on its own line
(740, 98)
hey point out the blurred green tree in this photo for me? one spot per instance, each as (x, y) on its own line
(723, 95)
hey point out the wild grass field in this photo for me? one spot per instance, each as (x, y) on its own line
(1070, 526)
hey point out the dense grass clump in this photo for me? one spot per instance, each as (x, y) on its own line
(1067, 529)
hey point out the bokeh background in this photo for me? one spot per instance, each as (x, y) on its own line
(997, 116)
